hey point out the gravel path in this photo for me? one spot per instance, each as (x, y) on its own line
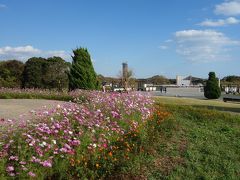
(13, 108)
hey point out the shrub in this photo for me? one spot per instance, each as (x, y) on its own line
(212, 89)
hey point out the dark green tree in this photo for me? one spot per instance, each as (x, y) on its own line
(82, 74)
(212, 89)
(51, 73)
(33, 72)
(56, 74)
(11, 73)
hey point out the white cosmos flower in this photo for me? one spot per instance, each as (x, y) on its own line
(43, 144)
(54, 141)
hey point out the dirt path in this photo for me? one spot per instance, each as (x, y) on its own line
(13, 108)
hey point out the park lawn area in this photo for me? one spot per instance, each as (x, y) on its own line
(202, 103)
(182, 139)
(193, 142)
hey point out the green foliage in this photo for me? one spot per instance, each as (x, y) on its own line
(212, 89)
(48, 73)
(11, 73)
(82, 74)
(231, 79)
(33, 72)
(56, 74)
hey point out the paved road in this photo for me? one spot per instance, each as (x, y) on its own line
(13, 108)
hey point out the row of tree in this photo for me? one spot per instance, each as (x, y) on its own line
(37, 72)
(56, 73)
(50, 73)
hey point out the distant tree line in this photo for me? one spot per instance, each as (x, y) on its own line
(56, 73)
(37, 72)
(50, 73)
(231, 80)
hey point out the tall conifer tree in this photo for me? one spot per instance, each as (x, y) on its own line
(82, 74)
(212, 89)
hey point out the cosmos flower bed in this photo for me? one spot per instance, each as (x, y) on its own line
(88, 139)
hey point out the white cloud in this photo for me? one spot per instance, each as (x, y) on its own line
(163, 47)
(220, 22)
(228, 8)
(25, 52)
(204, 45)
(168, 41)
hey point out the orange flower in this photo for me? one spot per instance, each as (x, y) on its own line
(97, 165)
(110, 154)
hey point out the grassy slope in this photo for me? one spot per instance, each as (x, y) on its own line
(195, 143)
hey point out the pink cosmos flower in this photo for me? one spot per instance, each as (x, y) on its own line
(67, 146)
(115, 114)
(14, 158)
(75, 142)
(63, 150)
(24, 169)
(36, 160)
(31, 174)
(12, 174)
(10, 169)
(46, 163)
(105, 145)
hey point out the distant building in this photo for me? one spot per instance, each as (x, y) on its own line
(141, 83)
(188, 83)
(231, 90)
(183, 81)
(146, 85)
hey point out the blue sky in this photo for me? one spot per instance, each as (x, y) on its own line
(168, 38)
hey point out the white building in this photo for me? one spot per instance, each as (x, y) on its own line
(183, 81)
(149, 87)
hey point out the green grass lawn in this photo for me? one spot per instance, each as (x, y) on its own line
(194, 142)
(210, 104)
